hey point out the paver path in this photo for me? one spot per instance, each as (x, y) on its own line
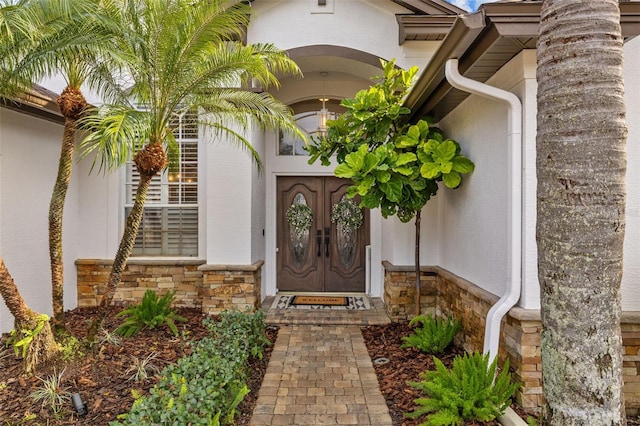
(320, 375)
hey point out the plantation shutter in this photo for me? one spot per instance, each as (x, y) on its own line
(170, 220)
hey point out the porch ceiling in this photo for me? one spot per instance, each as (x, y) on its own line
(483, 42)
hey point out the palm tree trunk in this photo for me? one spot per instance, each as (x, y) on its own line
(56, 208)
(43, 346)
(417, 264)
(581, 165)
(124, 251)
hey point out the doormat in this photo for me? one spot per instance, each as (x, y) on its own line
(321, 302)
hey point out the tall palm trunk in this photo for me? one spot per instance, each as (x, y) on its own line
(581, 164)
(72, 104)
(43, 346)
(149, 161)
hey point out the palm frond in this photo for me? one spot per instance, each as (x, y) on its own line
(114, 135)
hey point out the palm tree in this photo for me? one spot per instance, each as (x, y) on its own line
(67, 38)
(581, 164)
(185, 56)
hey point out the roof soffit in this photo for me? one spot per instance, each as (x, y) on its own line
(507, 28)
(430, 7)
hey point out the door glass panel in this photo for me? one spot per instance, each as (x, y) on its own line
(300, 219)
(348, 218)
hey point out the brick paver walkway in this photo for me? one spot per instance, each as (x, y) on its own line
(320, 375)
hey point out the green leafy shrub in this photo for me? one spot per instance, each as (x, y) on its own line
(469, 391)
(151, 312)
(435, 334)
(206, 387)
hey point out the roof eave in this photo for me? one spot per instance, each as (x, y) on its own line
(38, 102)
(463, 33)
(472, 35)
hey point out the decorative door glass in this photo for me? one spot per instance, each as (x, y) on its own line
(300, 218)
(348, 218)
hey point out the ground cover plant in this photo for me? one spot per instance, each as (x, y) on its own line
(435, 335)
(109, 376)
(396, 366)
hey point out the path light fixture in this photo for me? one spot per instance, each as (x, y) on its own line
(78, 404)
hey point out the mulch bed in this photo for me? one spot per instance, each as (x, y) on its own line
(102, 379)
(405, 364)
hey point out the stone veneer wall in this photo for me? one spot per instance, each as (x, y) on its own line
(449, 294)
(212, 288)
(400, 291)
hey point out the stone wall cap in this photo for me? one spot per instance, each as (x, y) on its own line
(253, 267)
(525, 314)
(407, 268)
(630, 317)
(146, 261)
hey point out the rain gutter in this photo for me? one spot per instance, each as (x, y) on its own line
(514, 242)
(431, 85)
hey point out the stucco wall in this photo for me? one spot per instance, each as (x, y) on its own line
(294, 23)
(631, 272)
(473, 219)
(29, 152)
(228, 191)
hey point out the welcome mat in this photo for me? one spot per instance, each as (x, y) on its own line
(321, 302)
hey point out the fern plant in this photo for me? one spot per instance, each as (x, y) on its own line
(469, 391)
(435, 335)
(151, 312)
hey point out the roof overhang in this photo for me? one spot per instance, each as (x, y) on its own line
(430, 7)
(38, 102)
(483, 42)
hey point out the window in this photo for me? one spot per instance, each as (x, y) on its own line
(170, 220)
(308, 121)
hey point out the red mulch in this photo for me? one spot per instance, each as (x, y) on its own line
(405, 364)
(102, 379)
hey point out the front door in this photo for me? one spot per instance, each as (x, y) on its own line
(316, 253)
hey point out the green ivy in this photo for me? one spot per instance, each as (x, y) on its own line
(435, 335)
(206, 387)
(151, 312)
(469, 391)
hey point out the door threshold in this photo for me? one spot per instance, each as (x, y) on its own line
(320, 293)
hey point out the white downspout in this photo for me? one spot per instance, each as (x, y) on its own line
(514, 242)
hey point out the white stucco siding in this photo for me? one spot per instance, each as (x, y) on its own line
(398, 239)
(228, 202)
(369, 26)
(258, 200)
(101, 211)
(29, 152)
(473, 221)
(631, 272)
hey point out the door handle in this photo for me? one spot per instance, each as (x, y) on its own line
(327, 238)
(319, 241)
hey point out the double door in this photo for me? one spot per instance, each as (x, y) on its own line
(316, 253)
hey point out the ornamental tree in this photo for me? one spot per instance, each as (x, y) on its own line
(394, 165)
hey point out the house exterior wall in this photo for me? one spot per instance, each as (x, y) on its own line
(631, 270)
(29, 152)
(294, 23)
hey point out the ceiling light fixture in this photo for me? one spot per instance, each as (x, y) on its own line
(323, 115)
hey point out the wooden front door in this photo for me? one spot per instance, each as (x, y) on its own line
(319, 257)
